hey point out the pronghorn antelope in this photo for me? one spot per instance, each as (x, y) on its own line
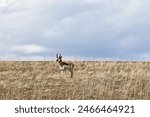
(64, 66)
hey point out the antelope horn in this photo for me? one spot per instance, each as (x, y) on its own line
(60, 55)
(57, 55)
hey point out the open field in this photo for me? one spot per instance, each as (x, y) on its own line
(92, 80)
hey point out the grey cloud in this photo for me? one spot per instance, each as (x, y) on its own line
(88, 28)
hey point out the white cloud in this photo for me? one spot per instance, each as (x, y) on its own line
(7, 3)
(29, 49)
(134, 7)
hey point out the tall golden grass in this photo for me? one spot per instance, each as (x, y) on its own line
(36, 80)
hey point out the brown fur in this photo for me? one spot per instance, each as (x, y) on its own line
(65, 65)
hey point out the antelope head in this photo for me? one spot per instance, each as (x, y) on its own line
(58, 57)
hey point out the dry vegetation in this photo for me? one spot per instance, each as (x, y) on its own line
(92, 80)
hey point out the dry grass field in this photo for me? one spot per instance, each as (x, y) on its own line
(38, 80)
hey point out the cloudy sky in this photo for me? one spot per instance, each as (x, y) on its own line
(89, 29)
